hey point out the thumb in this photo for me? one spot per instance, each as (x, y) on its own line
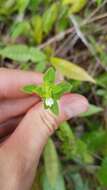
(32, 133)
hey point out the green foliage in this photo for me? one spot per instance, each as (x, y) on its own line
(102, 80)
(79, 183)
(102, 173)
(96, 141)
(22, 53)
(51, 163)
(49, 77)
(92, 110)
(50, 17)
(76, 5)
(49, 91)
(37, 25)
(22, 5)
(71, 70)
(18, 29)
(52, 178)
(99, 2)
(59, 185)
(72, 147)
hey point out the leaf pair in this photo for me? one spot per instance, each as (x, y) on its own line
(49, 91)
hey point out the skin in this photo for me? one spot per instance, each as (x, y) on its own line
(20, 151)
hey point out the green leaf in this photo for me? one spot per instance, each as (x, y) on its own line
(30, 89)
(60, 89)
(36, 55)
(99, 2)
(22, 53)
(50, 17)
(52, 178)
(49, 76)
(51, 163)
(55, 108)
(19, 28)
(76, 5)
(37, 25)
(71, 70)
(102, 174)
(40, 67)
(22, 5)
(93, 109)
(58, 186)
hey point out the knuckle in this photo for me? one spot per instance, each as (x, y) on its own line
(48, 120)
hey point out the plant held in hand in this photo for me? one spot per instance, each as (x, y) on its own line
(49, 91)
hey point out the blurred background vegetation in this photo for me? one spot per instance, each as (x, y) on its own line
(33, 31)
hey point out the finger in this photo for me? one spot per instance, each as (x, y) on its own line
(14, 107)
(9, 126)
(11, 82)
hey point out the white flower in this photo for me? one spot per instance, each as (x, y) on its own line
(49, 102)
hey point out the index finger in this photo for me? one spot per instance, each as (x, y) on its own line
(11, 82)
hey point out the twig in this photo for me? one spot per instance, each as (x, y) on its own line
(78, 31)
(97, 18)
(56, 38)
(64, 44)
(94, 12)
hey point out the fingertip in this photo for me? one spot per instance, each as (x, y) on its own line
(73, 105)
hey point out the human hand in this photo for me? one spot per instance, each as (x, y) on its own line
(20, 152)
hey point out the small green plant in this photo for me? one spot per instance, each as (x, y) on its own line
(49, 91)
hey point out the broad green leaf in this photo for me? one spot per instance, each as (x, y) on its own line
(50, 17)
(55, 108)
(102, 174)
(60, 89)
(51, 163)
(16, 52)
(93, 109)
(36, 55)
(37, 25)
(71, 70)
(30, 89)
(76, 5)
(49, 76)
(22, 53)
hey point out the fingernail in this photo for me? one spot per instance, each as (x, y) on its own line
(73, 105)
